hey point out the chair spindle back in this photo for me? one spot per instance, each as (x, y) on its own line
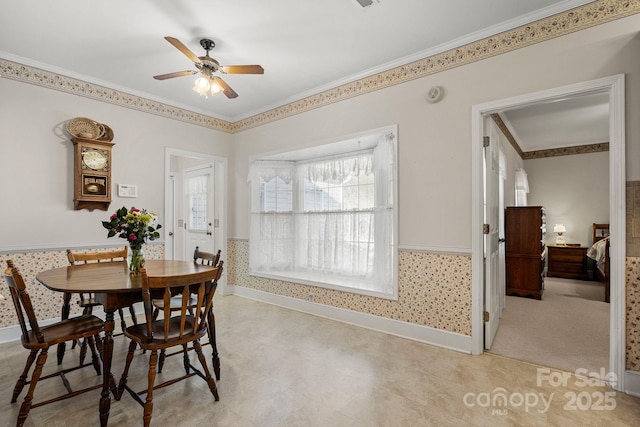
(83, 258)
(197, 292)
(206, 258)
(21, 301)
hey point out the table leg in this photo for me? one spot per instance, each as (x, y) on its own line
(211, 325)
(66, 299)
(107, 377)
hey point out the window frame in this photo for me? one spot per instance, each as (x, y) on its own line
(342, 146)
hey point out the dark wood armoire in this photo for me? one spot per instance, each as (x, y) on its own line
(525, 250)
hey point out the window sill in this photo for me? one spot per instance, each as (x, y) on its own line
(342, 284)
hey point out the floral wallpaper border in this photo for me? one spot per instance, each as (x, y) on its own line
(632, 296)
(47, 304)
(553, 152)
(586, 16)
(433, 290)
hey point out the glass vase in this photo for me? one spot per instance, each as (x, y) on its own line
(135, 260)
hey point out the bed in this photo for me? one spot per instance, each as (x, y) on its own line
(600, 253)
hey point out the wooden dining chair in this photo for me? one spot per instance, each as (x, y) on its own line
(199, 257)
(39, 339)
(87, 301)
(204, 258)
(171, 331)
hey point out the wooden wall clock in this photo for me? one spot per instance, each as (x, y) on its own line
(92, 174)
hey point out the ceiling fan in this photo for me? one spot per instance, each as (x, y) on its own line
(206, 65)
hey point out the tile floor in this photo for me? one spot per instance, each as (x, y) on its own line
(285, 368)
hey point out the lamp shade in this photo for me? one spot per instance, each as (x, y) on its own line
(202, 86)
(559, 228)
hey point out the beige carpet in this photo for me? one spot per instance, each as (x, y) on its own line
(568, 329)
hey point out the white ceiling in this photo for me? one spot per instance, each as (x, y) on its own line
(304, 46)
(568, 122)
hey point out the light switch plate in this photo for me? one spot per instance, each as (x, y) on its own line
(127, 190)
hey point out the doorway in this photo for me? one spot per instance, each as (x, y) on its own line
(614, 86)
(195, 205)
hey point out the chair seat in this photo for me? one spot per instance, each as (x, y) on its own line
(38, 340)
(180, 330)
(138, 333)
(65, 330)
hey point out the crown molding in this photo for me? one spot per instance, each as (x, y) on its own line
(566, 151)
(507, 134)
(580, 18)
(552, 152)
(560, 24)
(52, 80)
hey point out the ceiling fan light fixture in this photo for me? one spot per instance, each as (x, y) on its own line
(207, 66)
(202, 86)
(215, 88)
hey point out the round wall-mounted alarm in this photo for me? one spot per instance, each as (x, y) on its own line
(435, 94)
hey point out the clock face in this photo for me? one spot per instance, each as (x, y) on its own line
(94, 159)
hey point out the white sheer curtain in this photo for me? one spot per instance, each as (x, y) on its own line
(333, 240)
(271, 232)
(384, 160)
(340, 227)
(522, 187)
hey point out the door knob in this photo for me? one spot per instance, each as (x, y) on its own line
(170, 233)
(208, 233)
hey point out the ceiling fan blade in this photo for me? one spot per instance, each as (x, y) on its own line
(176, 74)
(229, 93)
(182, 48)
(242, 69)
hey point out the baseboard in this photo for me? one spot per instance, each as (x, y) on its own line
(632, 383)
(13, 333)
(425, 334)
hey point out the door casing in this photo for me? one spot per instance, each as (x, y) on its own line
(221, 196)
(615, 87)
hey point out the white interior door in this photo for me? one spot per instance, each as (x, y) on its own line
(492, 298)
(199, 209)
(502, 273)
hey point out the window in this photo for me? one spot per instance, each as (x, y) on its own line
(522, 187)
(197, 198)
(326, 216)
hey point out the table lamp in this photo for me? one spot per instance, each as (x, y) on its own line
(560, 229)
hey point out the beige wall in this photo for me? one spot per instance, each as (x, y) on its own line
(434, 160)
(434, 148)
(36, 163)
(574, 191)
(434, 139)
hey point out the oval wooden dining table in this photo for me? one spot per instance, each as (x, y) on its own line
(114, 287)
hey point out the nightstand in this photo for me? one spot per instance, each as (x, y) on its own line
(568, 262)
